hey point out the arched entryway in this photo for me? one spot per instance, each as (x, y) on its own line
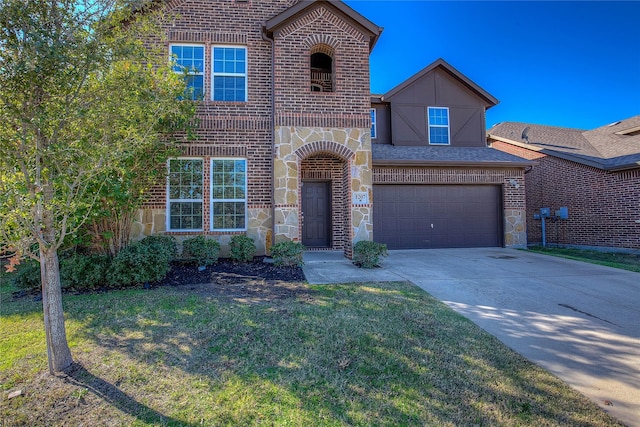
(324, 200)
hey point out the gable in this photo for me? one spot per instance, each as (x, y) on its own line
(437, 87)
(334, 13)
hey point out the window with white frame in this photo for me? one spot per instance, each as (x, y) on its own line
(189, 59)
(228, 194)
(185, 185)
(373, 123)
(229, 73)
(438, 125)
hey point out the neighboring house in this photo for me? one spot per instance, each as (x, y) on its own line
(284, 146)
(594, 173)
(435, 182)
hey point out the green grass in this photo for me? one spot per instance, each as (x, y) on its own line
(358, 354)
(623, 261)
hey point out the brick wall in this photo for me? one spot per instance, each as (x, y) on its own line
(603, 206)
(349, 103)
(229, 129)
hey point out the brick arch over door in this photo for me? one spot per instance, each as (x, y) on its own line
(325, 165)
(329, 147)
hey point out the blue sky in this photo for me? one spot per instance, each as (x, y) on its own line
(572, 64)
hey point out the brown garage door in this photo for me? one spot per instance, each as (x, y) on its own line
(437, 216)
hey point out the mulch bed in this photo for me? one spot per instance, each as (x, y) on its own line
(256, 280)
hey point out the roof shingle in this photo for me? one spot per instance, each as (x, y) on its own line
(606, 147)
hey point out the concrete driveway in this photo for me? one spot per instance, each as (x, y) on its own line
(579, 321)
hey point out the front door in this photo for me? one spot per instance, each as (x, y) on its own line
(316, 214)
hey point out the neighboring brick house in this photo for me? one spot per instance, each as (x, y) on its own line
(283, 148)
(435, 182)
(595, 174)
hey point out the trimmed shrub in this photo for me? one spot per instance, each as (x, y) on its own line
(27, 276)
(162, 244)
(201, 250)
(84, 272)
(288, 254)
(366, 254)
(243, 249)
(138, 263)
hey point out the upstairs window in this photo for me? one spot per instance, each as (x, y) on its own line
(321, 62)
(189, 59)
(229, 73)
(185, 196)
(373, 123)
(438, 125)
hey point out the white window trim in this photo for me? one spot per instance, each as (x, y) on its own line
(169, 200)
(204, 61)
(429, 126)
(212, 200)
(374, 126)
(245, 74)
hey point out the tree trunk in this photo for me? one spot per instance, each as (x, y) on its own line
(58, 352)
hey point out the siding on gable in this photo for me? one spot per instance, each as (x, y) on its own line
(437, 89)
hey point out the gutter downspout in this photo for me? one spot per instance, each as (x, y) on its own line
(273, 130)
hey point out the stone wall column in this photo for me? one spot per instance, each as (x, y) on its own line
(286, 221)
(515, 228)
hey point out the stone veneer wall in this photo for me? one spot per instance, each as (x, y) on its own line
(352, 146)
(149, 221)
(511, 179)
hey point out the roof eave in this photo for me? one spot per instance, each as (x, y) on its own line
(489, 99)
(452, 163)
(559, 154)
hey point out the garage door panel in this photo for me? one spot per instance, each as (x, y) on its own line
(437, 216)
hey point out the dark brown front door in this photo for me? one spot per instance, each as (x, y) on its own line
(316, 214)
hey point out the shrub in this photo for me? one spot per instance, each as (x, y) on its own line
(366, 254)
(288, 254)
(84, 272)
(243, 248)
(27, 276)
(138, 263)
(164, 244)
(200, 250)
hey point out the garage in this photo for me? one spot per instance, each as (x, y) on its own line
(409, 216)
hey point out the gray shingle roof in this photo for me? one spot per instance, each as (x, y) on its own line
(443, 155)
(606, 147)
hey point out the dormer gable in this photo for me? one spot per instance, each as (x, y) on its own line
(302, 10)
(438, 106)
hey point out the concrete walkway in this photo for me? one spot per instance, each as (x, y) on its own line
(579, 321)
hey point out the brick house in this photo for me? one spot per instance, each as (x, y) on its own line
(284, 144)
(594, 173)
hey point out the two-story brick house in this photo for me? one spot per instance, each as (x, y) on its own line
(284, 141)
(283, 137)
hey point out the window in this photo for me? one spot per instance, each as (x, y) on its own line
(229, 73)
(321, 63)
(189, 59)
(438, 125)
(228, 194)
(373, 123)
(184, 189)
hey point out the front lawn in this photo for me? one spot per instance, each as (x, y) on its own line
(624, 261)
(334, 355)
